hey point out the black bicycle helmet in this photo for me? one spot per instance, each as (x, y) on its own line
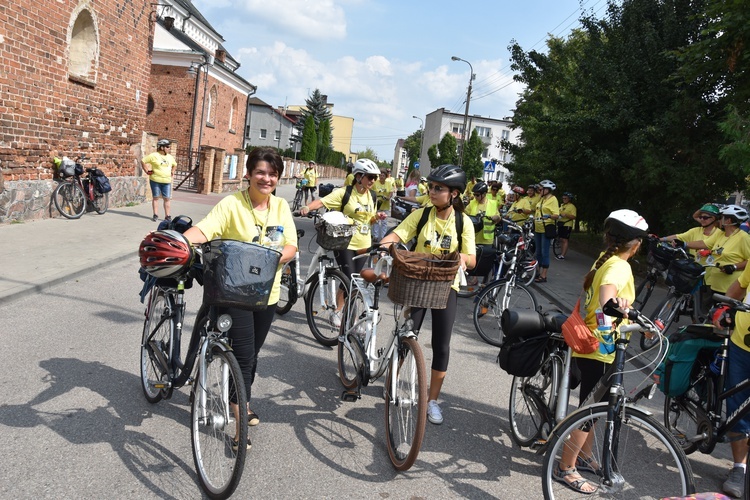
(163, 143)
(625, 225)
(480, 188)
(450, 175)
(568, 194)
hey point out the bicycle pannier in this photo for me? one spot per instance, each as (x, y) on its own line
(674, 373)
(238, 274)
(325, 189)
(67, 168)
(577, 335)
(684, 275)
(101, 181)
(523, 356)
(659, 255)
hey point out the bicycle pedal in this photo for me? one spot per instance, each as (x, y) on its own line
(161, 385)
(538, 444)
(350, 396)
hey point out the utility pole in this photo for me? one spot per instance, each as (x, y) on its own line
(465, 134)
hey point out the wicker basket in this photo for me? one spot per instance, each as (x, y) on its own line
(422, 280)
(334, 236)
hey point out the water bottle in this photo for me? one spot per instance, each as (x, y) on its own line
(604, 330)
(717, 361)
(275, 237)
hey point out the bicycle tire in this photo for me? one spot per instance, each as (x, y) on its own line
(100, 203)
(525, 276)
(665, 313)
(155, 353)
(219, 467)
(351, 362)
(466, 291)
(288, 290)
(681, 420)
(557, 246)
(643, 293)
(405, 419)
(297, 203)
(531, 400)
(69, 200)
(488, 309)
(651, 463)
(318, 315)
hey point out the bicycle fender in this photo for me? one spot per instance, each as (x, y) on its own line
(221, 343)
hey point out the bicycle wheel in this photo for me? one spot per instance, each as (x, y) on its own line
(665, 314)
(100, 202)
(473, 285)
(406, 408)
(643, 292)
(155, 348)
(288, 291)
(490, 304)
(297, 204)
(69, 200)
(526, 271)
(319, 314)
(648, 461)
(214, 426)
(351, 359)
(557, 246)
(531, 402)
(681, 416)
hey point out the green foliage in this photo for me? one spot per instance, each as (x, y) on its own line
(368, 153)
(473, 165)
(603, 116)
(412, 145)
(317, 107)
(324, 134)
(309, 149)
(432, 154)
(445, 153)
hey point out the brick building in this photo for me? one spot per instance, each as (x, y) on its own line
(74, 78)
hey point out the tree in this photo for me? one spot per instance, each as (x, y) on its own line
(412, 145)
(309, 148)
(473, 165)
(445, 152)
(316, 106)
(324, 143)
(368, 153)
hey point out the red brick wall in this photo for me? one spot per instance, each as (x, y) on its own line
(42, 109)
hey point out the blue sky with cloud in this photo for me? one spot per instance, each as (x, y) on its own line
(383, 61)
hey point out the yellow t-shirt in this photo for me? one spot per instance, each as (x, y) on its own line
(384, 190)
(161, 167)
(546, 206)
(499, 197)
(567, 209)
(422, 188)
(614, 271)
(742, 319)
(349, 180)
(487, 235)
(533, 200)
(438, 230)
(233, 219)
(424, 200)
(696, 234)
(312, 177)
(360, 209)
(725, 250)
(516, 217)
(399, 183)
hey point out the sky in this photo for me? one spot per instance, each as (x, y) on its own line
(382, 62)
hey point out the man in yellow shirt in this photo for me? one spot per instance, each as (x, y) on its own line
(384, 189)
(311, 176)
(158, 166)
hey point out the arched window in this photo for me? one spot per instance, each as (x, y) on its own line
(83, 51)
(213, 97)
(150, 105)
(232, 114)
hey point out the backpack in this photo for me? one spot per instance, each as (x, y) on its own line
(423, 220)
(674, 373)
(348, 194)
(101, 181)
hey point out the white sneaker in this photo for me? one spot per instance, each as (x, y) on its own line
(335, 319)
(434, 414)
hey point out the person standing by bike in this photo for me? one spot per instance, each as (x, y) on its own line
(439, 235)
(361, 208)
(252, 215)
(565, 223)
(485, 215)
(311, 176)
(158, 166)
(610, 278)
(384, 189)
(708, 219)
(547, 212)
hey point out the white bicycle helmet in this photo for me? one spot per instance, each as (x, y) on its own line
(163, 143)
(365, 166)
(548, 184)
(739, 213)
(626, 225)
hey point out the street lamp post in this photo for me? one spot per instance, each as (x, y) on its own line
(465, 135)
(421, 138)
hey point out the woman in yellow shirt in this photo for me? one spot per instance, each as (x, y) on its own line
(547, 212)
(565, 223)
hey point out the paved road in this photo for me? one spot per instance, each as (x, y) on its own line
(73, 421)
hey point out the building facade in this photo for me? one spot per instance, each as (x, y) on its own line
(269, 126)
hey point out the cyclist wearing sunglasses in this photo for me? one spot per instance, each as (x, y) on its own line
(708, 218)
(438, 235)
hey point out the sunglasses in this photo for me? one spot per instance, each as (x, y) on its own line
(371, 177)
(706, 217)
(436, 188)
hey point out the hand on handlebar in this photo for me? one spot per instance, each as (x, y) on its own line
(722, 316)
(728, 269)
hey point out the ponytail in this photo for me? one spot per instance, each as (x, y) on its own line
(612, 249)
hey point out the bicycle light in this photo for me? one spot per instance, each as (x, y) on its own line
(224, 323)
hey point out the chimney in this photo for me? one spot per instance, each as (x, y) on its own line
(221, 55)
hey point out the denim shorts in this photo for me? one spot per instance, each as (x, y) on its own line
(160, 189)
(738, 360)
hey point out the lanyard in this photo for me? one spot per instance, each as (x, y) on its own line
(262, 231)
(433, 230)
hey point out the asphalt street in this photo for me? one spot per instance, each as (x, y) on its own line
(74, 423)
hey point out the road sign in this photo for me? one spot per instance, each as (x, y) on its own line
(489, 166)
(416, 164)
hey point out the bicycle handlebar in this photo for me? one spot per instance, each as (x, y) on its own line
(734, 303)
(642, 322)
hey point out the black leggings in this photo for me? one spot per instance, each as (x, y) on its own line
(442, 328)
(589, 372)
(248, 333)
(345, 260)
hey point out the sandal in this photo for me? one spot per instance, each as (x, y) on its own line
(236, 445)
(252, 418)
(589, 465)
(539, 279)
(578, 484)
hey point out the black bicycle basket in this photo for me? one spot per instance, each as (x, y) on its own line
(659, 256)
(684, 275)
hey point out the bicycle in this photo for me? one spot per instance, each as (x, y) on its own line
(299, 195)
(76, 192)
(659, 256)
(638, 456)
(510, 256)
(218, 390)
(291, 282)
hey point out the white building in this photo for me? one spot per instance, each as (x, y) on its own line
(490, 130)
(400, 159)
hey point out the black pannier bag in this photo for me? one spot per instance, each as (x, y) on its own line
(101, 181)
(524, 344)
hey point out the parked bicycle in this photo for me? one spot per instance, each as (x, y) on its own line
(361, 360)
(299, 195)
(76, 191)
(636, 455)
(218, 399)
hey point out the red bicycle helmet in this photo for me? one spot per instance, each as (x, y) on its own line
(165, 254)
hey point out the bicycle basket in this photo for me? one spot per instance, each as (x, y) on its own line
(422, 279)
(238, 274)
(684, 275)
(659, 256)
(301, 183)
(68, 168)
(334, 236)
